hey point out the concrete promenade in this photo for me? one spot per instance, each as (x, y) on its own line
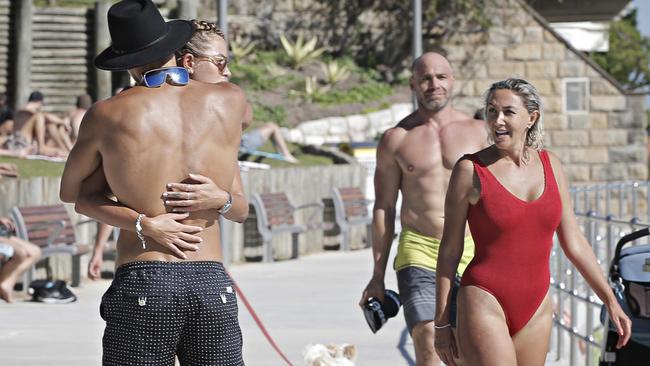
(309, 300)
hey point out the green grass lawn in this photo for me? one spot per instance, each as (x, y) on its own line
(35, 168)
(41, 168)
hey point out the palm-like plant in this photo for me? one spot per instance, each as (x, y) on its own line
(241, 50)
(312, 89)
(335, 72)
(275, 70)
(300, 52)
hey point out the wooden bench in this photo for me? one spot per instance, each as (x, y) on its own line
(350, 209)
(51, 228)
(275, 215)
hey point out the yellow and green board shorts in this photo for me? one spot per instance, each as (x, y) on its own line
(418, 250)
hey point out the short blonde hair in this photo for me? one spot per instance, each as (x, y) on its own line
(531, 100)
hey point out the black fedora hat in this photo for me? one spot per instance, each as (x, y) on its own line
(140, 35)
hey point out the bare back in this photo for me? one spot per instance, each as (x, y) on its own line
(426, 153)
(76, 116)
(23, 122)
(151, 137)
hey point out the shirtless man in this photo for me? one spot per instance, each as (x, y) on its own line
(84, 102)
(171, 295)
(6, 118)
(416, 158)
(31, 125)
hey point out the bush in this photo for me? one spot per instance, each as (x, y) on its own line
(241, 51)
(300, 52)
(335, 72)
(256, 77)
(264, 113)
(357, 94)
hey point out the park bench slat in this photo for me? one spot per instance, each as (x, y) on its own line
(276, 214)
(50, 227)
(350, 206)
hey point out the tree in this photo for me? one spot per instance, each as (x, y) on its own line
(378, 32)
(628, 59)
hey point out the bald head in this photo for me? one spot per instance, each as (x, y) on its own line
(432, 81)
(431, 58)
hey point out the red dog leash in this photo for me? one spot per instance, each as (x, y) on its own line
(258, 321)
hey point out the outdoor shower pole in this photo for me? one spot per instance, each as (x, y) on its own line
(101, 39)
(222, 9)
(417, 37)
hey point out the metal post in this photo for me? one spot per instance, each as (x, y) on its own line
(590, 331)
(102, 39)
(593, 232)
(621, 197)
(635, 187)
(560, 300)
(226, 238)
(223, 16)
(23, 47)
(611, 241)
(608, 200)
(187, 9)
(417, 37)
(573, 350)
(647, 201)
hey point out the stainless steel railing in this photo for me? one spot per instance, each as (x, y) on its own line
(606, 212)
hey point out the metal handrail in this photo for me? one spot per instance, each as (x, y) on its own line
(606, 212)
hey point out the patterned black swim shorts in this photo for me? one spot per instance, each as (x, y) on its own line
(156, 310)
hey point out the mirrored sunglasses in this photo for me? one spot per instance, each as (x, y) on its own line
(173, 75)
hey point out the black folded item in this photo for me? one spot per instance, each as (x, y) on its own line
(51, 292)
(377, 313)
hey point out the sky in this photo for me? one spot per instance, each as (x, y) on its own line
(643, 16)
(643, 23)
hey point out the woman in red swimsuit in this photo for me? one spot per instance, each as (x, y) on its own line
(515, 197)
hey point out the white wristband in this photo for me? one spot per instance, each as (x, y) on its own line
(442, 326)
(138, 230)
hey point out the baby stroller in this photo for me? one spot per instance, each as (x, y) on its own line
(629, 275)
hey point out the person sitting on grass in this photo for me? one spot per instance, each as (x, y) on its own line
(33, 127)
(6, 118)
(257, 137)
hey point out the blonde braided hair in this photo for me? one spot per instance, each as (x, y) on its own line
(203, 34)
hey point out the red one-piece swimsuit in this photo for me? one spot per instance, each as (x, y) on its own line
(513, 240)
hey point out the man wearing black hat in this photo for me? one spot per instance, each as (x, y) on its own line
(171, 295)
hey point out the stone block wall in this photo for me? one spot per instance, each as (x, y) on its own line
(352, 128)
(606, 143)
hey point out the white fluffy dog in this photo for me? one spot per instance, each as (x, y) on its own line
(330, 355)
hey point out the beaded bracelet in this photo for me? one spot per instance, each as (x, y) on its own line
(138, 230)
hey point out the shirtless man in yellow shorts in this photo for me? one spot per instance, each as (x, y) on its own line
(416, 157)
